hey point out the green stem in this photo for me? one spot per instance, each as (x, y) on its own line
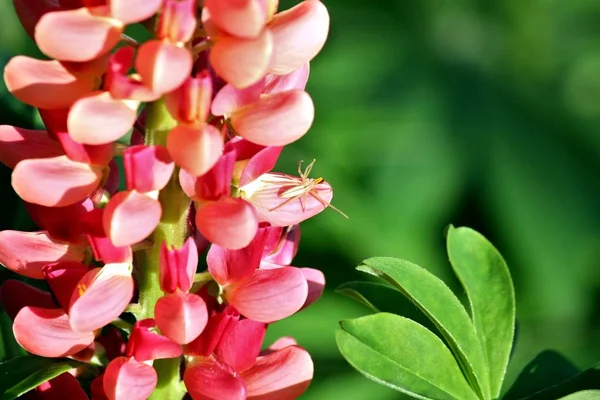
(171, 230)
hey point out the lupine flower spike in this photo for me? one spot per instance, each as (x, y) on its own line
(194, 119)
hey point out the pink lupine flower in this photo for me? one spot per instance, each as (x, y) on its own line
(63, 386)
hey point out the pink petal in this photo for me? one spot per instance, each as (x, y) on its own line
(181, 316)
(131, 217)
(17, 144)
(102, 295)
(176, 267)
(190, 103)
(276, 119)
(281, 343)
(241, 344)
(45, 84)
(147, 168)
(52, 336)
(146, 345)
(242, 62)
(281, 375)
(269, 295)
(62, 277)
(76, 35)
(55, 182)
(64, 386)
(120, 83)
(30, 11)
(261, 163)
(177, 21)
(207, 379)
(163, 66)
(213, 185)
(197, 149)
(62, 223)
(56, 123)
(286, 248)
(230, 223)
(103, 249)
(298, 35)
(97, 388)
(229, 99)
(206, 343)
(244, 18)
(26, 253)
(100, 119)
(267, 194)
(230, 266)
(15, 295)
(316, 285)
(125, 378)
(130, 11)
(295, 79)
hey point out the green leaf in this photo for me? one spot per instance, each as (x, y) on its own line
(403, 355)
(583, 395)
(486, 279)
(20, 375)
(546, 369)
(443, 308)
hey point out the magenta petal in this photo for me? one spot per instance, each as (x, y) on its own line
(181, 316)
(15, 295)
(146, 345)
(52, 336)
(241, 344)
(205, 344)
(280, 375)
(125, 378)
(231, 266)
(147, 168)
(102, 295)
(269, 295)
(55, 182)
(261, 163)
(230, 223)
(131, 217)
(176, 267)
(284, 251)
(30, 11)
(62, 277)
(64, 386)
(17, 144)
(26, 253)
(207, 379)
(316, 285)
(213, 185)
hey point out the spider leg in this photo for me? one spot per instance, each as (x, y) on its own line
(282, 204)
(314, 194)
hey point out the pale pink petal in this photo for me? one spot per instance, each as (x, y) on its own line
(176, 267)
(17, 144)
(295, 79)
(190, 103)
(125, 378)
(286, 248)
(242, 62)
(62, 277)
(30, 11)
(269, 295)
(120, 83)
(101, 296)
(298, 35)
(130, 11)
(241, 344)
(146, 345)
(206, 343)
(197, 149)
(131, 217)
(267, 195)
(76, 35)
(229, 99)
(316, 285)
(177, 21)
(281, 343)
(229, 266)
(282, 375)
(181, 316)
(52, 336)
(26, 253)
(100, 119)
(45, 84)
(163, 66)
(260, 163)
(147, 168)
(230, 223)
(207, 379)
(245, 18)
(276, 119)
(15, 295)
(64, 386)
(55, 182)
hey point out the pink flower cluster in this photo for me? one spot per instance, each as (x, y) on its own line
(197, 116)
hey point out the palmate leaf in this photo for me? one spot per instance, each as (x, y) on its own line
(486, 279)
(403, 355)
(20, 375)
(443, 308)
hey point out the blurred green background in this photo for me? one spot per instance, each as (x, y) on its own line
(431, 112)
